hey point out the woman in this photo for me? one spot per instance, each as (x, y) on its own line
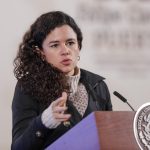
(52, 94)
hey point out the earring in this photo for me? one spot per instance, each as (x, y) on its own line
(78, 58)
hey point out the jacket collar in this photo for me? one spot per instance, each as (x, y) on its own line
(91, 78)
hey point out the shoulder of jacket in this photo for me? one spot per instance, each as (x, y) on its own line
(89, 74)
(90, 77)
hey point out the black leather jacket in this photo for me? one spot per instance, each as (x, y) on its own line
(28, 131)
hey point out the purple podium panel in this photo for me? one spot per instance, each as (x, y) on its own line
(83, 136)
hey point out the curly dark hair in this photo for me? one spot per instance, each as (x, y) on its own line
(37, 77)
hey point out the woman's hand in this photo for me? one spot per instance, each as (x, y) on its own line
(55, 113)
(59, 108)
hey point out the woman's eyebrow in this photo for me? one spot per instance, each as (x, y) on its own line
(71, 39)
(52, 42)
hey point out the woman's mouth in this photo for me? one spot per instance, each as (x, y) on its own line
(66, 61)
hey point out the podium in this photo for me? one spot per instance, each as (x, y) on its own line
(105, 130)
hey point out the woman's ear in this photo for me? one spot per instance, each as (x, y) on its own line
(37, 49)
(39, 52)
(42, 55)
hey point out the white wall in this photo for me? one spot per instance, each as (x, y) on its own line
(102, 58)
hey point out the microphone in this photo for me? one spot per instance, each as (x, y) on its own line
(122, 98)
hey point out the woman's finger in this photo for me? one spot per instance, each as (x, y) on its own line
(62, 120)
(59, 109)
(61, 100)
(62, 116)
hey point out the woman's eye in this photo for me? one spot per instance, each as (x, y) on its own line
(54, 46)
(70, 43)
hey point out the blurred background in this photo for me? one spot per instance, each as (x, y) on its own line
(116, 46)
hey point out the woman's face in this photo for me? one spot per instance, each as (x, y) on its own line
(61, 49)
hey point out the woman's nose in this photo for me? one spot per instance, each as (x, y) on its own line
(65, 50)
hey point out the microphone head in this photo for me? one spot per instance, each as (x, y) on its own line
(120, 96)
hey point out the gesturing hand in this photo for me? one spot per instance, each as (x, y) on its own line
(59, 107)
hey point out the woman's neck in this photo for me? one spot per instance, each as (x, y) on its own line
(74, 72)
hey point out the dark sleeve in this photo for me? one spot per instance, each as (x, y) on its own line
(104, 96)
(28, 132)
(108, 102)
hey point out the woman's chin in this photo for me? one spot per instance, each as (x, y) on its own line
(68, 71)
